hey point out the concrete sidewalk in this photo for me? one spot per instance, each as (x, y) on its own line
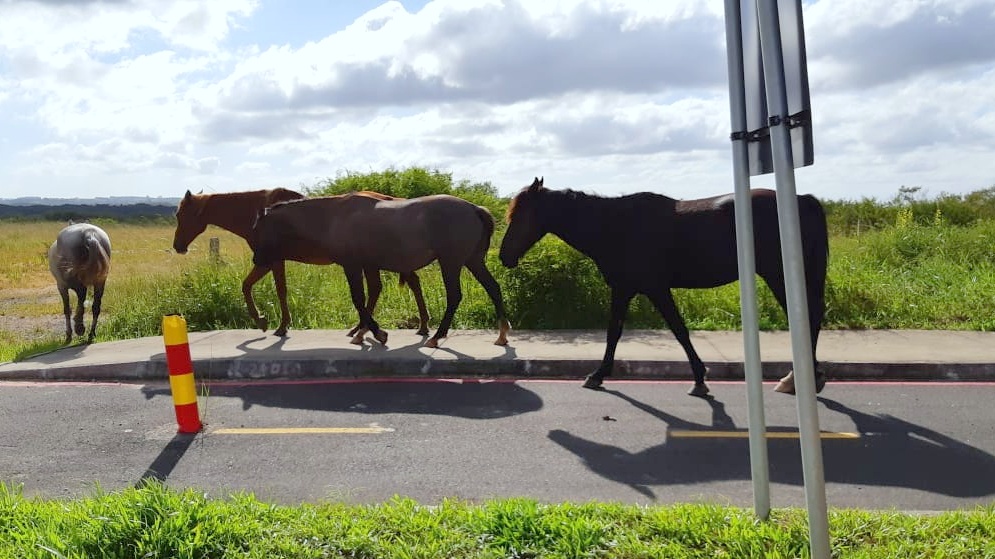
(642, 354)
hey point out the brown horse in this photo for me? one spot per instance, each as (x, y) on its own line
(80, 258)
(236, 212)
(360, 232)
(647, 243)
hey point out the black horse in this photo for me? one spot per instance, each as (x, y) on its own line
(648, 243)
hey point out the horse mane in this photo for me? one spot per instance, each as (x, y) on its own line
(583, 198)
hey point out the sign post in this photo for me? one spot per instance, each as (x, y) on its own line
(771, 120)
(759, 468)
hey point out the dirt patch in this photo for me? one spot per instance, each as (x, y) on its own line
(27, 325)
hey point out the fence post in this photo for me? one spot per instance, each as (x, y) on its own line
(181, 381)
(215, 244)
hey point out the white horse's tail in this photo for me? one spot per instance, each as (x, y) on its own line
(98, 262)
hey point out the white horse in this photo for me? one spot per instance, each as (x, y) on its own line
(80, 258)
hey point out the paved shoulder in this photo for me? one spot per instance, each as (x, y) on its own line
(644, 354)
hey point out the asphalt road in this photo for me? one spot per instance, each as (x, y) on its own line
(911, 446)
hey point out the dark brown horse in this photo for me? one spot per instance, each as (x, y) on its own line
(359, 233)
(80, 258)
(236, 212)
(647, 243)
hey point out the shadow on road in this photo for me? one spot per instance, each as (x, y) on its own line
(890, 453)
(166, 462)
(470, 399)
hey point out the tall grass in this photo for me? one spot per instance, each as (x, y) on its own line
(156, 522)
(142, 267)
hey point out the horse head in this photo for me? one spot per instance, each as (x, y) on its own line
(524, 224)
(189, 221)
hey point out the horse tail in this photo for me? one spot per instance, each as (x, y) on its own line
(815, 247)
(97, 261)
(818, 249)
(487, 220)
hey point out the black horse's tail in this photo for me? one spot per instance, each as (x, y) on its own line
(817, 250)
(815, 245)
(487, 220)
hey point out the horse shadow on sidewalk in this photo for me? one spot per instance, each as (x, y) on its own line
(386, 391)
(891, 452)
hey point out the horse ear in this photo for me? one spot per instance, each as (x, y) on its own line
(188, 196)
(536, 185)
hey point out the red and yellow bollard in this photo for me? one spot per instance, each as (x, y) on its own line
(181, 382)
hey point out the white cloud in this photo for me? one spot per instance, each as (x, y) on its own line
(608, 95)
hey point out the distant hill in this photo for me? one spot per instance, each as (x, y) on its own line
(122, 208)
(101, 201)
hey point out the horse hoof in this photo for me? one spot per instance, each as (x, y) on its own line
(262, 323)
(592, 382)
(432, 343)
(786, 384)
(353, 331)
(423, 331)
(501, 341)
(820, 382)
(381, 337)
(699, 390)
(357, 340)
(280, 332)
(80, 329)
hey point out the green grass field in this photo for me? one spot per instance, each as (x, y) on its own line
(932, 276)
(154, 522)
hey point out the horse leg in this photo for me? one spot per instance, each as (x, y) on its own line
(80, 307)
(816, 312)
(66, 310)
(255, 274)
(354, 275)
(786, 385)
(454, 294)
(279, 270)
(374, 286)
(415, 285)
(663, 300)
(619, 308)
(483, 275)
(98, 296)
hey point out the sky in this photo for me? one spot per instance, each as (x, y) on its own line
(151, 98)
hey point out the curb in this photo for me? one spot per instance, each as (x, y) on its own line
(318, 368)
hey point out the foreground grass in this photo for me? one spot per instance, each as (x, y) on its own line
(156, 522)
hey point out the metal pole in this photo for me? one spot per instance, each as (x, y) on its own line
(794, 280)
(759, 467)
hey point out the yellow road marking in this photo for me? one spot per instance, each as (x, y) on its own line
(745, 434)
(303, 431)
